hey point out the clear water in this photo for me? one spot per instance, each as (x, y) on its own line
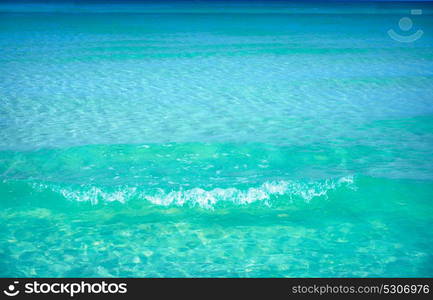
(206, 140)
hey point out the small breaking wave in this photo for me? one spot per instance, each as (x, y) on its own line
(265, 193)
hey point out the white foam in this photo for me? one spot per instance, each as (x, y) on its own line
(205, 198)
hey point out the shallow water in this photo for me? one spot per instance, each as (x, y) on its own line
(273, 140)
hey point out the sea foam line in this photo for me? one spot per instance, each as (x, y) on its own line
(201, 197)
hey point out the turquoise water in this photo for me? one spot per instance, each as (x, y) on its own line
(215, 140)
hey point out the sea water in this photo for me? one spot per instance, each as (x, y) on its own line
(211, 139)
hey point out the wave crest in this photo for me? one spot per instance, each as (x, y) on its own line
(200, 197)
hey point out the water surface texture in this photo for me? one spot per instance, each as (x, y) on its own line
(268, 139)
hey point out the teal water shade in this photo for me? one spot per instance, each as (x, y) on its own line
(189, 141)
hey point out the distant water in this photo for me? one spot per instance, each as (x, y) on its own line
(208, 140)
